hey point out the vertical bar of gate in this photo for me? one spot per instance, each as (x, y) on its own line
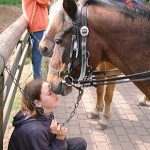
(1, 110)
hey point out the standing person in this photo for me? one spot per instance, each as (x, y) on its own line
(35, 127)
(36, 13)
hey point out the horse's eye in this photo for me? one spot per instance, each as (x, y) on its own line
(58, 40)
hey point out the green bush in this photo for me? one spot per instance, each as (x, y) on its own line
(10, 2)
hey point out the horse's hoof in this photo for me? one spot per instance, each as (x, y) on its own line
(142, 104)
(93, 116)
(101, 126)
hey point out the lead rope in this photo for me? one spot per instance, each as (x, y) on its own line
(75, 106)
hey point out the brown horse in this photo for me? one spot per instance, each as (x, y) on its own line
(106, 22)
(104, 93)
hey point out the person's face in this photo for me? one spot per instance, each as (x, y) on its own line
(49, 100)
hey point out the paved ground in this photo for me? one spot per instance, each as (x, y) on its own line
(128, 128)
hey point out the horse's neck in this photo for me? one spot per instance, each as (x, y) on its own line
(114, 33)
(109, 19)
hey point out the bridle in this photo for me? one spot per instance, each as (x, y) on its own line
(76, 46)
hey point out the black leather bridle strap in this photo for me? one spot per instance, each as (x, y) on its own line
(83, 43)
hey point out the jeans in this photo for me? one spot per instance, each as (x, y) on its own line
(36, 55)
(76, 143)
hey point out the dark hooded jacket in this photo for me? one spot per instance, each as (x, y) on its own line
(34, 134)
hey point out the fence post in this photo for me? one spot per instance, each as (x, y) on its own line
(1, 110)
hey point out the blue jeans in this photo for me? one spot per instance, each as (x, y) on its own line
(36, 55)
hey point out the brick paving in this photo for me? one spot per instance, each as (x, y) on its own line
(128, 128)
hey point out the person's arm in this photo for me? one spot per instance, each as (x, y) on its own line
(60, 133)
(38, 139)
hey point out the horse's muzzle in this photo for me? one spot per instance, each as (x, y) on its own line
(62, 89)
(45, 51)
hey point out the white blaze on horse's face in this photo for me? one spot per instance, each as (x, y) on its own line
(54, 27)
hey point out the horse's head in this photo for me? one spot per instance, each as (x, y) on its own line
(57, 42)
(47, 43)
(56, 25)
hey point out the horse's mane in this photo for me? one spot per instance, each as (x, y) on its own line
(114, 4)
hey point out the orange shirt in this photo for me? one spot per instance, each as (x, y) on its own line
(36, 13)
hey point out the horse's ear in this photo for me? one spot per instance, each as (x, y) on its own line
(70, 8)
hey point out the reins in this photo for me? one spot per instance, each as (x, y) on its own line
(113, 79)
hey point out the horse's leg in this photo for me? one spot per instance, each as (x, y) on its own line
(100, 95)
(102, 124)
(99, 103)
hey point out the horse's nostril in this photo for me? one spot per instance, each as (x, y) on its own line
(45, 49)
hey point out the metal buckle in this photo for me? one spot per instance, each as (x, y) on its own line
(84, 31)
(68, 80)
(73, 37)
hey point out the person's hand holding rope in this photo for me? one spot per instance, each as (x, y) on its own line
(59, 130)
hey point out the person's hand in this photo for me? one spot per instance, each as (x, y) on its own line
(59, 130)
